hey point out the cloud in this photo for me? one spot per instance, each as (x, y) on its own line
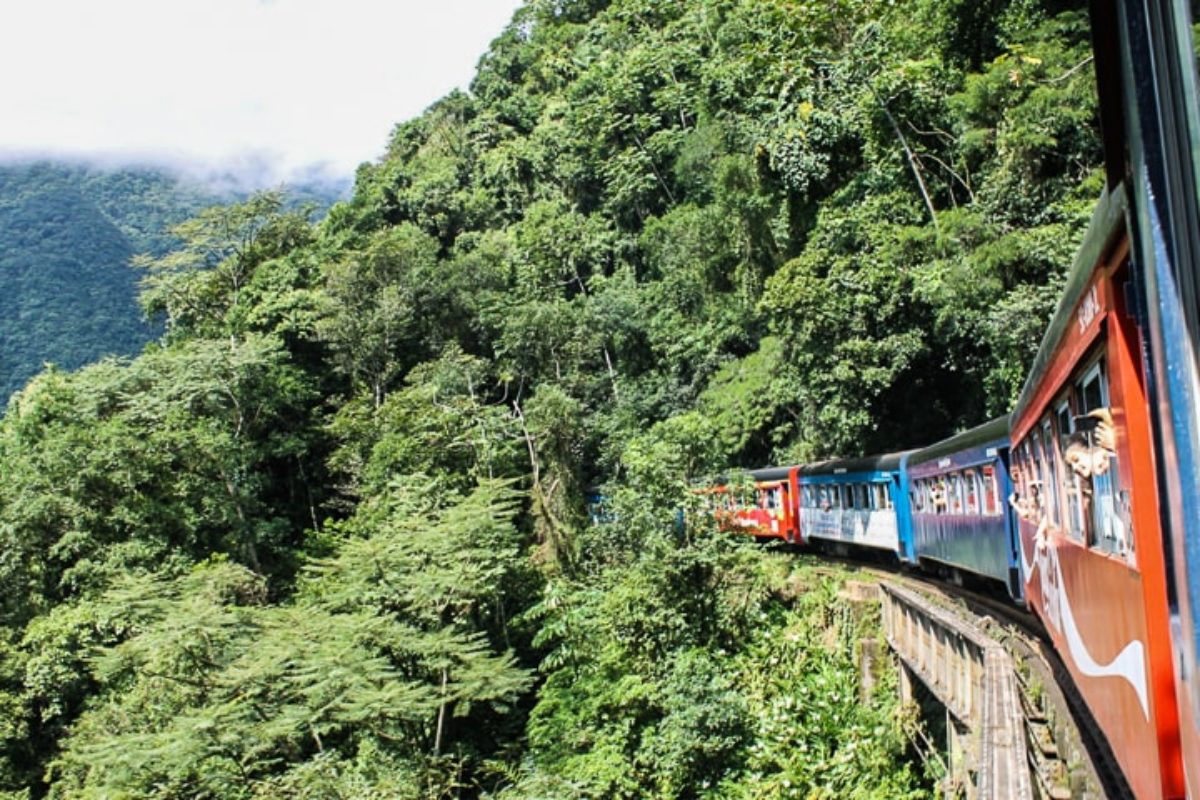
(272, 87)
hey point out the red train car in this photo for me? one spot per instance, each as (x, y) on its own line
(1150, 116)
(1091, 543)
(770, 513)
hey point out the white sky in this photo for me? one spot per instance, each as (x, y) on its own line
(212, 82)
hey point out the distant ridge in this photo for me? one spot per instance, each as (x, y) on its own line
(67, 233)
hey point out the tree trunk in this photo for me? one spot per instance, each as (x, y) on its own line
(441, 717)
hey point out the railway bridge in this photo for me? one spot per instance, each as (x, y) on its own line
(1010, 732)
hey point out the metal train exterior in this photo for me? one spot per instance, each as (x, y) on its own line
(1058, 502)
(960, 508)
(856, 503)
(1091, 547)
(1146, 75)
(1085, 501)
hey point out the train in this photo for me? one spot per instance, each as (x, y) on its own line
(1083, 503)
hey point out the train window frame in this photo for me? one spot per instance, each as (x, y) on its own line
(1021, 473)
(1111, 524)
(990, 506)
(772, 498)
(1052, 453)
(1028, 475)
(1039, 467)
(971, 492)
(882, 500)
(1072, 522)
(954, 493)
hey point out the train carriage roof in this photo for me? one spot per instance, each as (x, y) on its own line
(978, 436)
(888, 462)
(760, 475)
(771, 473)
(1107, 221)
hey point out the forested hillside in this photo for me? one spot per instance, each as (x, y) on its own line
(67, 235)
(327, 537)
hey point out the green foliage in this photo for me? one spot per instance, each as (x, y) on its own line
(211, 692)
(816, 736)
(66, 294)
(320, 539)
(767, 707)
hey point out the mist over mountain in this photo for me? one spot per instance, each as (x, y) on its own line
(67, 233)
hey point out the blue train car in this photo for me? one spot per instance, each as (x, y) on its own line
(858, 502)
(960, 514)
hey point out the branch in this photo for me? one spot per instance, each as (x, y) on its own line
(912, 161)
(1071, 71)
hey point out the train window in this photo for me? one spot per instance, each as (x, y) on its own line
(937, 495)
(864, 500)
(917, 493)
(954, 493)
(771, 498)
(1035, 452)
(1093, 390)
(1062, 498)
(971, 487)
(883, 500)
(1020, 471)
(988, 489)
(1108, 510)
(1052, 486)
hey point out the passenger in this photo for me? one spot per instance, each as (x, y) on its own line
(938, 496)
(1023, 506)
(1027, 507)
(1080, 457)
(1092, 447)
(1015, 501)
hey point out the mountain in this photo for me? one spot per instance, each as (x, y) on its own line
(67, 234)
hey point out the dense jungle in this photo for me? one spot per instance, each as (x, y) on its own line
(326, 536)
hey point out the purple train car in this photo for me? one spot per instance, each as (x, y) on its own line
(958, 491)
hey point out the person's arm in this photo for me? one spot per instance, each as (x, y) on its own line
(1105, 434)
